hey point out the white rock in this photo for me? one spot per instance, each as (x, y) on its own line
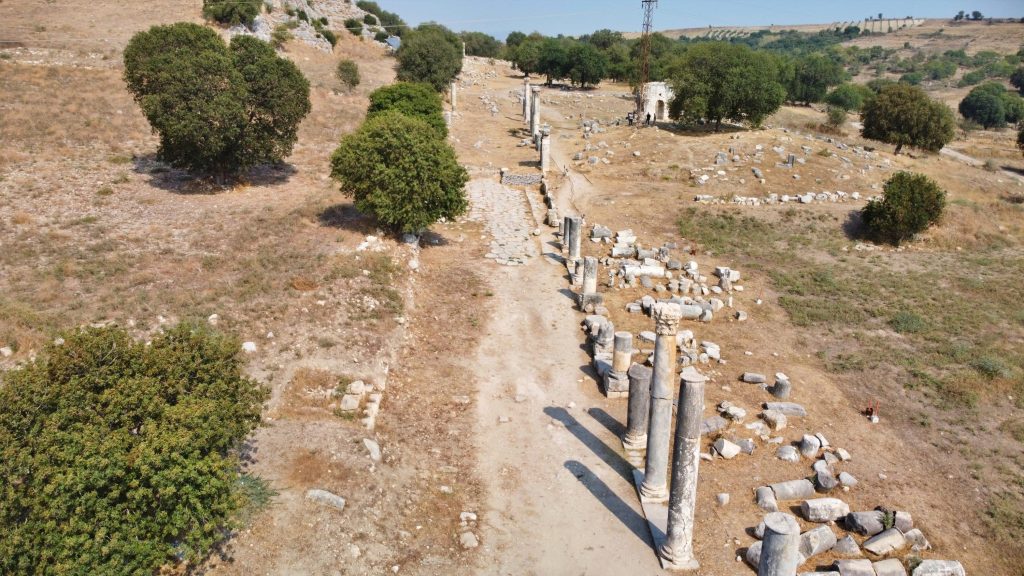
(248, 347)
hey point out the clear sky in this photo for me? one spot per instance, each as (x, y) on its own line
(575, 17)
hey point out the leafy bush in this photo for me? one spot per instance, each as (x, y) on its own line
(120, 457)
(354, 26)
(399, 170)
(370, 20)
(431, 54)
(850, 97)
(348, 73)
(972, 78)
(218, 109)
(836, 116)
(412, 99)
(985, 106)
(908, 323)
(389, 20)
(381, 36)
(912, 78)
(911, 203)
(1017, 80)
(281, 35)
(232, 12)
(905, 116)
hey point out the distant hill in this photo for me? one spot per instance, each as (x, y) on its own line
(884, 25)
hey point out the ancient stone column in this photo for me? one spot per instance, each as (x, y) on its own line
(666, 318)
(535, 111)
(616, 380)
(455, 95)
(639, 407)
(682, 501)
(780, 549)
(545, 153)
(573, 234)
(590, 284)
(527, 101)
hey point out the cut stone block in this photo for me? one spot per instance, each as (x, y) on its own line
(904, 521)
(788, 454)
(865, 523)
(887, 542)
(940, 568)
(776, 420)
(787, 408)
(753, 378)
(726, 449)
(817, 541)
(917, 540)
(847, 546)
(766, 499)
(825, 510)
(890, 567)
(809, 446)
(855, 568)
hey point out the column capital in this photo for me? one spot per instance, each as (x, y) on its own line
(666, 318)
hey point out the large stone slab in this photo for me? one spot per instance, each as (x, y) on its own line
(888, 541)
(890, 567)
(787, 408)
(940, 568)
(855, 568)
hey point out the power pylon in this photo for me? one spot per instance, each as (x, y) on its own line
(645, 56)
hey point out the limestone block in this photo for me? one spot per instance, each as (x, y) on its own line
(865, 523)
(326, 498)
(817, 541)
(890, 567)
(350, 402)
(713, 424)
(787, 408)
(904, 521)
(753, 378)
(825, 510)
(917, 540)
(940, 568)
(726, 449)
(855, 568)
(753, 555)
(776, 420)
(788, 454)
(793, 489)
(846, 546)
(888, 541)
(766, 499)
(847, 479)
(809, 446)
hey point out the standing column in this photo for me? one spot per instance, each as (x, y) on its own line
(615, 380)
(639, 407)
(455, 95)
(780, 549)
(576, 224)
(682, 501)
(566, 227)
(545, 153)
(590, 286)
(527, 100)
(535, 111)
(666, 318)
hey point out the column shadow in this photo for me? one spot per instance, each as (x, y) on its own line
(611, 457)
(636, 523)
(608, 421)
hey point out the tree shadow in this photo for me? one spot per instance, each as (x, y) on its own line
(178, 181)
(853, 226)
(347, 217)
(612, 458)
(636, 523)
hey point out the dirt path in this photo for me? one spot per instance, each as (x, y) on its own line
(560, 498)
(971, 161)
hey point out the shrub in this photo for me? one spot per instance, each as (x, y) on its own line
(330, 36)
(381, 36)
(280, 36)
(412, 99)
(397, 169)
(984, 104)
(849, 97)
(835, 115)
(354, 26)
(348, 73)
(971, 78)
(905, 116)
(908, 323)
(1020, 138)
(232, 12)
(218, 109)
(120, 457)
(1017, 80)
(370, 20)
(911, 203)
(431, 54)
(389, 20)
(912, 78)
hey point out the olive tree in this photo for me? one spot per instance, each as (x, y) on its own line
(905, 116)
(217, 109)
(431, 54)
(412, 99)
(910, 204)
(397, 169)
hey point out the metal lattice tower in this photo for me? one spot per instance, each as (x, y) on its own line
(645, 55)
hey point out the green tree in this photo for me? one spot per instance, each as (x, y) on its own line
(835, 116)
(412, 99)
(905, 116)
(389, 20)
(813, 76)
(398, 170)
(232, 12)
(910, 204)
(514, 39)
(480, 44)
(554, 58)
(985, 105)
(587, 65)
(526, 55)
(1017, 80)
(713, 81)
(604, 39)
(431, 54)
(120, 457)
(348, 73)
(354, 25)
(849, 97)
(217, 109)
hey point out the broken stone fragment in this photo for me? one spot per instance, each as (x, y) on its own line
(776, 420)
(766, 499)
(890, 567)
(788, 454)
(809, 446)
(855, 568)
(326, 498)
(847, 479)
(917, 541)
(713, 424)
(816, 541)
(940, 568)
(753, 378)
(793, 489)
(847, 546)
(726, 449)
(865, 523)
(787, 408)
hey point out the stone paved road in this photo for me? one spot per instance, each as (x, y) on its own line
(504, 213)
